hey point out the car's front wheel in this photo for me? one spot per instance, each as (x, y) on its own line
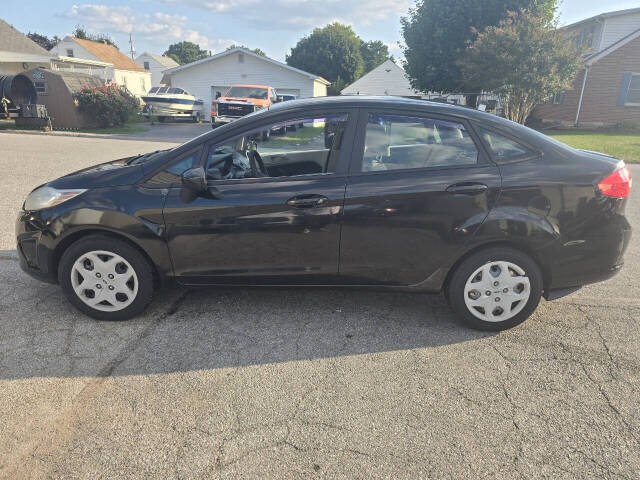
(106, 278)
(496, 288)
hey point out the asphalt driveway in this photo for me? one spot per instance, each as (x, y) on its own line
(295, 384)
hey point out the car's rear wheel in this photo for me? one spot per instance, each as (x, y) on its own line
(106, 278)
(495, 289)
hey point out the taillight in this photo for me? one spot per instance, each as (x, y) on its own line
(214, 108)
(618, 184)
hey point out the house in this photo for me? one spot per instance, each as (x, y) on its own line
(215, 74)
(155, 64)
(19, 53)
(125, 72)
(386, 79)
(607, 91)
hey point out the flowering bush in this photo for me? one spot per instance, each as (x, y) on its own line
(111, 105)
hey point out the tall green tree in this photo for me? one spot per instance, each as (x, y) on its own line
(81, 33)
(524, 59)
(332, 52)
(257, 51)
(186, 52)
(436, 33)
(44, 41)
(374, 53)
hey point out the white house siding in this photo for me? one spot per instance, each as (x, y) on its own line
(230, 70)
(155, 68)
(137, 83)
(78, 50)
(619, 27)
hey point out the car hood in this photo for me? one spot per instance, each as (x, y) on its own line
(109, 174)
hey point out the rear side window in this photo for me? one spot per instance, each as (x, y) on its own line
(505, 149)
(397, 142)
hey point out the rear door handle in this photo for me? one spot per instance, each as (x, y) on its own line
(307, 201)
(466, 188)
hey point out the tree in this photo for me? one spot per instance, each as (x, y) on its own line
(186, 52)
(44, 41)
(373, 53)
(436, 33)
(332, 52)
(254, 50)
(524, 59)
(81, 33)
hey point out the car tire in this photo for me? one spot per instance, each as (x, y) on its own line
(214, 125)
(495, 289)
(196, 118)
(123, 278)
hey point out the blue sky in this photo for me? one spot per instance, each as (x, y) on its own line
(273, 26)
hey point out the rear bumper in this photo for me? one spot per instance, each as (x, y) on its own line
(595, 259)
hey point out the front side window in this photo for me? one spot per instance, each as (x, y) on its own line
(304, 146)
(172, 174)
(505, 149)
(397, 142)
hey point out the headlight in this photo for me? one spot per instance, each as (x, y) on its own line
(45, 197)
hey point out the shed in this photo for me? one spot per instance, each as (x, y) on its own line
(56, 90)
(205, 77)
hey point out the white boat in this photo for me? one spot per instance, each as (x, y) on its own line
(171, 102)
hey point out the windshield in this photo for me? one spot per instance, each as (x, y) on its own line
(247, 92)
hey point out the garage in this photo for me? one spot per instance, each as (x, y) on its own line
(209, 76)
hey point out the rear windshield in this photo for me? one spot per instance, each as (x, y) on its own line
(247, 92)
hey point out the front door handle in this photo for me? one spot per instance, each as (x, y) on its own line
(469, 188)
(307, 201)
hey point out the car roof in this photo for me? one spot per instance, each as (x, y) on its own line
(303, 106)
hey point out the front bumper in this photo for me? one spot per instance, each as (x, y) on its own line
(36, 259)
(220, 120)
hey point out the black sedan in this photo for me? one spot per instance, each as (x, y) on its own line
(373, 192)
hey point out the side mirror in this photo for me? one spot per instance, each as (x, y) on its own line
(195, 180)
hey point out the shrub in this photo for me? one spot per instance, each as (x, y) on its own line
(111, 105)
(627, 125)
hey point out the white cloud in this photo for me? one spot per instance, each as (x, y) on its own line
(303, 14)
(157, 29)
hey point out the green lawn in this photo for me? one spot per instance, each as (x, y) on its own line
(299, 137)
(619, 144)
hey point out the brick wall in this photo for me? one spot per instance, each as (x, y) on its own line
(600, 101)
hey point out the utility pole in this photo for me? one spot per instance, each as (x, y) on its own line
(133, 51)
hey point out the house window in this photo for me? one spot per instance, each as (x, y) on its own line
(557, 99)
(146, 65)
(241, 58)
(633, 93)
(70, 52)
(41, 87)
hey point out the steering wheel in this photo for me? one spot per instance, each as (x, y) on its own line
(257, 164)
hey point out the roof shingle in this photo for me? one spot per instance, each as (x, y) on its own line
(11, 40)
(110, 54)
